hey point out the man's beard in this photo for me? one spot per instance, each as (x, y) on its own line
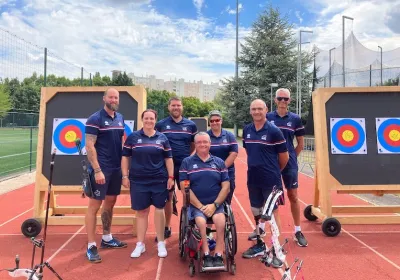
(113, 107)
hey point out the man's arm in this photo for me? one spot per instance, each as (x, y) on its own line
(233, 151)
(283, 159)
(300, 144)
(91, 150)
(223, 192)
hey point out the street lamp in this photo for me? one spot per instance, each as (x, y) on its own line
(272, 86)
(381, 66)
(344, 76)
(330, 67)
(299, 76)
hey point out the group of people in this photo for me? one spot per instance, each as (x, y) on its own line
(164, 154)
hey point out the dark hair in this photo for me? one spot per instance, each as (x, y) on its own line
(149, 110)
(174, 98)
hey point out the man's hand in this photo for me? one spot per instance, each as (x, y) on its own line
(99, 177)
(170, 183)
(126, 183)
(209, 210)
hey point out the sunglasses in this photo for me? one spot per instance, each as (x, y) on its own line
(282, 98)
(215, 121)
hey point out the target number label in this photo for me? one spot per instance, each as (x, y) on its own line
(388, 135)
(348, 136)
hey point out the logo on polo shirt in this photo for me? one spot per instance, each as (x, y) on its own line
(273, 121)
(167, 127)
(289, 124)
(224, 141)
(248, 135)
(158, 142)
(106, 123)
(213, 166)
(184, 128)
(120, 124)
(264, 137)
(139, 140)
(195, 166)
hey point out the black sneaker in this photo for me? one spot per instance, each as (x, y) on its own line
(113, 244)
(276, 263)
(254, 251)
(208, 261)
(92, 255)
(300, 239)
(218, 261)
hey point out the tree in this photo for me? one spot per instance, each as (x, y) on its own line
(122, 80)
(268, 55)
(5, 102)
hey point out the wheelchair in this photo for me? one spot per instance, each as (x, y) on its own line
(192, 250)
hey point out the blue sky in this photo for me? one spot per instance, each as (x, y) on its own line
(190, 39)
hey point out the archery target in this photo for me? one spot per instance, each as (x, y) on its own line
(348, 136)
(128, 128)
(388, 135)
(65, 132)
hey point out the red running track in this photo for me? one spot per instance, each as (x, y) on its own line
(359, 252)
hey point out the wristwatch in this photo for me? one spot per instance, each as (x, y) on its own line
(216, 204)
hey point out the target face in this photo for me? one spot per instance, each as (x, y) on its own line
(388, 135)
(348, 136)
(65, 132)
(128, 129)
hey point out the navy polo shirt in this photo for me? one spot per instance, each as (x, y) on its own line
(263, 147)
(222, 146)
(205, 177)
(180, 135)
(291, 126)
(109, 131)
(147, 156)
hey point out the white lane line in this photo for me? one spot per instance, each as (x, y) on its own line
(66, 243)
(358, 240)
(16, 217)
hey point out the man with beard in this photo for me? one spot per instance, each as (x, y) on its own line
(180, 132)
(104, 137)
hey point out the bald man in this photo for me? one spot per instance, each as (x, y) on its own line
(104, 137)
(267, 155)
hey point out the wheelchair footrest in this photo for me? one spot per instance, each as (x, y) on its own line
(212, 269)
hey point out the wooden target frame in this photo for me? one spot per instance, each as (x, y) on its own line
(326, 183)
(74, 215)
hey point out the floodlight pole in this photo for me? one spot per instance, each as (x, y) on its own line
(344, 76)
(381, 66)
(330, 68)
(235, 128)
(299, 76)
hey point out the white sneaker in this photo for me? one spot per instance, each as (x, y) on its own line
(140, 248)
(162, 251)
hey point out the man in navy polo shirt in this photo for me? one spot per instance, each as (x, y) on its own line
(267, 155)
(290, 124)
(180, 132)
(104, 133)
(209, 187)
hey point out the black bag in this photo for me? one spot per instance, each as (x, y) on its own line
(88, 177)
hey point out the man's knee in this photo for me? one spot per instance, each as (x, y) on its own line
(143, 213)
(292, 195)
(110, 201)
(94, 205)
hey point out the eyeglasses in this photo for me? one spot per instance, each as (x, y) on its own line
(215, 121)
(282, 98)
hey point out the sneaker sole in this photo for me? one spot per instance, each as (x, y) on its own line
(300, 245)
(112, 247)
(253, 256)
(95, 261)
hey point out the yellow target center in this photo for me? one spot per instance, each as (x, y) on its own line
(70, 136)
(348, 135)
(394, 135)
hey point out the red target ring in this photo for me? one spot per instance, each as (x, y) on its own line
(348, 135)
(69, 134)
(391, 135)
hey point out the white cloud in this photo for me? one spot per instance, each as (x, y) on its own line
(198, 4)
(232, 11)
(297, 13)
(101, 37)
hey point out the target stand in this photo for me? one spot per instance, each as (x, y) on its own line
(357, 141)
(63, 114)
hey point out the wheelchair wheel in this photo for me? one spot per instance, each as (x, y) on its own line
(183, 224)
(232, 235)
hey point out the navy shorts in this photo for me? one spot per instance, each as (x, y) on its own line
(194, 212)
(290, 178)
(232, 189)
(144, 195)
(112, 185)
(259, 195)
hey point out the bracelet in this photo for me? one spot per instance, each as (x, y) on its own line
(171, 177)
(97, 170)
(125, 176)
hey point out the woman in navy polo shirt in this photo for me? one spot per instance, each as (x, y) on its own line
(147, 169)
(224, 146)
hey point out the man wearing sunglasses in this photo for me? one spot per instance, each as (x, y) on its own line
(290, 124)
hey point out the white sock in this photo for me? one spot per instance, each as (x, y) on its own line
(107, 237)
(262, 226)
(90, 244)
(139, 244)
(297, 228)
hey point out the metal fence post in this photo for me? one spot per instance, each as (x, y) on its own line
(81, 76)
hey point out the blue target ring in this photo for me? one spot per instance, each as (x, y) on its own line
(127, 130)
(57, 136)
(356, 127)
(382, 135)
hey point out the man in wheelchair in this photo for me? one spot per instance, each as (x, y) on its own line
(209, 187)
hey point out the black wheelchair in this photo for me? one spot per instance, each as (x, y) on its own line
(190, 240)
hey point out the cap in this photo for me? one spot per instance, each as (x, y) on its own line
(215, 113)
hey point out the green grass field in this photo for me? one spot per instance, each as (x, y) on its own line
(15, 150)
